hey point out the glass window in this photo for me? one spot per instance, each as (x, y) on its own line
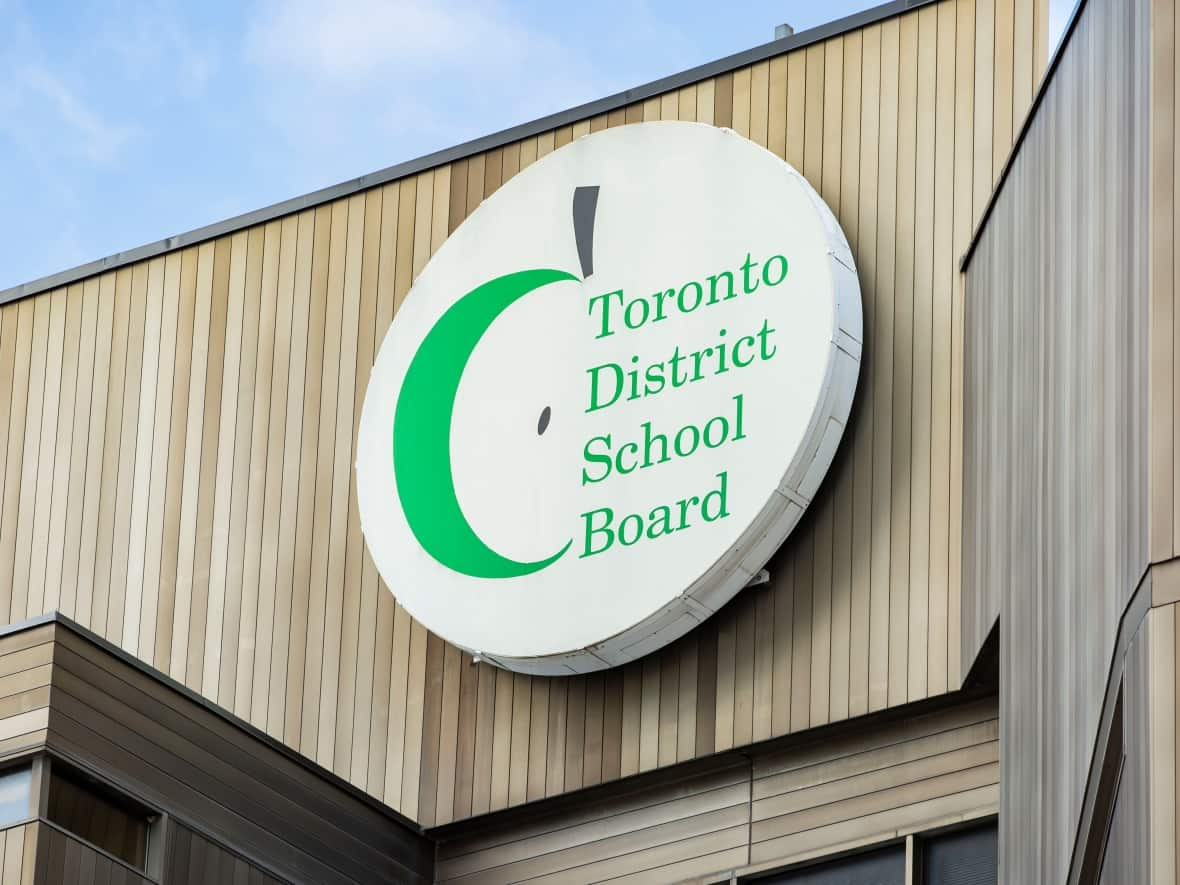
(962, 857)
(98, 814)
(16, 787)
(885, 866)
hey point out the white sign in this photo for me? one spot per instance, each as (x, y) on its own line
(609, 397)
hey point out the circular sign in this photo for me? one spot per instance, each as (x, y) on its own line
(609, 397)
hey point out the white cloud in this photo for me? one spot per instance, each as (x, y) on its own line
(42, 111)
(355, 85)
(98, 140)
(351, 41)
(153, 40)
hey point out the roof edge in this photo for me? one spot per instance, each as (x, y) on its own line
(252, 731)
(466, 149)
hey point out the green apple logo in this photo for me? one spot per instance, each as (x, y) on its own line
(422, 429)
(426, 405)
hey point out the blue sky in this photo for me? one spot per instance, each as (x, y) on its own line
(123, 122)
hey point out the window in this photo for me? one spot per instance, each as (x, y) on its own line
(98, 814)
(962, 857)
(16, 789)
(885, 866)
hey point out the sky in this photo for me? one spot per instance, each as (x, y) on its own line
(126, 121)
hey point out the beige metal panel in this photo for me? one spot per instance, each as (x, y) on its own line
(57, 366)
(808, 801)
(1161, 743)
(888, 617)
(944, 284)
(158, 623)
(278, 564)
(774, 807)
(869, 667)
(195, 569)
(71, 372)
(922, 356)
(25, 665)
(593, 821)
(351, 677)
(293, 668)
(842, 190)
(19, 850)
(19, 334)
(256, 624)
(1056, 441)
(211, 504)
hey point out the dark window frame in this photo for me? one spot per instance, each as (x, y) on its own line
(920, 840)
(912, 842)
(765, 876)
(46, 763)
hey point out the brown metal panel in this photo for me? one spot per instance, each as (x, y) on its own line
(219, 752)
(217, 755)
(51, 856)
(157, 774)
(181, 849)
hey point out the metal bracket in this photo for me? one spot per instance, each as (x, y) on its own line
(763, 577)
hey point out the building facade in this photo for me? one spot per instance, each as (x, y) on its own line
(964, 662)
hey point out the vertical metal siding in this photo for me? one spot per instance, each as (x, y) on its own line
(179, 434)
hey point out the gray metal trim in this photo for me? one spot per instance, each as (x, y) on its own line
(1042, 89)
(466, 149)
